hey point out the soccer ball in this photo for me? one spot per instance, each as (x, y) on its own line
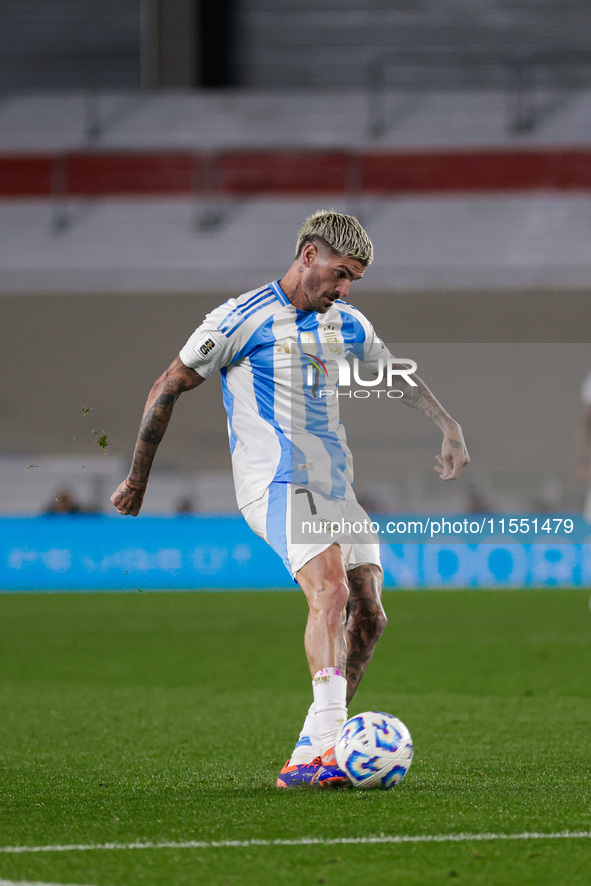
(374, 749)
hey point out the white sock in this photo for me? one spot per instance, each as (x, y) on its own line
(330, 705)
(308, 746)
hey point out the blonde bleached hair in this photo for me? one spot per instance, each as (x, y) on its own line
(343, 233)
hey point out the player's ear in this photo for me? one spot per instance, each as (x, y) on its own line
(308, 254)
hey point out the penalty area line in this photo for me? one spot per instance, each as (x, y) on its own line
(379, 839)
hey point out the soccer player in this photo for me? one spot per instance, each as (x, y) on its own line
(280, 350)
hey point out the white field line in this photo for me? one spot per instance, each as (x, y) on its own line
(385, 839)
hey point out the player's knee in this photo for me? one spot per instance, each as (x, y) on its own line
(331, 597)
(337, 591)
(379, 621)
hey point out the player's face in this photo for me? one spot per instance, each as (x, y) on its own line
(326, 276)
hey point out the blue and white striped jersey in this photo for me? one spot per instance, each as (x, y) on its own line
(280, 367)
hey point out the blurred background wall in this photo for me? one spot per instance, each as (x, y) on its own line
(158, 156)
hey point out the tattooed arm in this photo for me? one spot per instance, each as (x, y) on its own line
(454, 455)
(129, 495)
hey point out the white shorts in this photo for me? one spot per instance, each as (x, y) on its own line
(299, 524)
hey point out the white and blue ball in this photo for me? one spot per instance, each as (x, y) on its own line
(374, 749)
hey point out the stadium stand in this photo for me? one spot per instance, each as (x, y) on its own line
(182, 190)
(469, 161)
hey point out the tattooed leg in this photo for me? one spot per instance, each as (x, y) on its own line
(365, 622)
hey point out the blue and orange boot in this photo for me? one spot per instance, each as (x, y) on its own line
(299, 773)
(328, 774)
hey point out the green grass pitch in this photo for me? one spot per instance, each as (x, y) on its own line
(164, 718)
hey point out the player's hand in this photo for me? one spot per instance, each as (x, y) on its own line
(128, 501)
(454, 455)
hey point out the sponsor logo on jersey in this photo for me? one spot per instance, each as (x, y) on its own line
(207, 347)
(286, 347)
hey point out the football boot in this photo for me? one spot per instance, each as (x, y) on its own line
(329, 775)
(299, 773)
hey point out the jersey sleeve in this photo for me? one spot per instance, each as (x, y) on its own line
(208, 349)
(375, 355)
